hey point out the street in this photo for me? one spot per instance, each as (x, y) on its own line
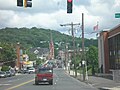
(62, 81)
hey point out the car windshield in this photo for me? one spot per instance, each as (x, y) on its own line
(78, 40)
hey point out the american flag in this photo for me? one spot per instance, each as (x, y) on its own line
(95, 27)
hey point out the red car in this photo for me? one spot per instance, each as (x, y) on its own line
(44, 75)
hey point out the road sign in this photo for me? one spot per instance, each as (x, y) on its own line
(117, 15)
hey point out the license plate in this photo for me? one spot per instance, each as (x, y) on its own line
(44, 79)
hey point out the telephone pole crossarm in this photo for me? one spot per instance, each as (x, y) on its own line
(69, 24)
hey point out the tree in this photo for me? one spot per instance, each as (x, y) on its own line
(7, 53)
(5, 68)
(32, 56)
(32, 37)
(92, 59)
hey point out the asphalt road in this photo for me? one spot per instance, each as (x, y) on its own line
(62, 81)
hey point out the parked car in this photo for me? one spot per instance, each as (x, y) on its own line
(8, 74)
(3, 74)
(23, 71)
(44, 74)
(12, 72)
(31, 70)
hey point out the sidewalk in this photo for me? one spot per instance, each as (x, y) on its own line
(98, 82)
(18, 74)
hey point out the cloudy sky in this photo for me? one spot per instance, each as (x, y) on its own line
(51, 13)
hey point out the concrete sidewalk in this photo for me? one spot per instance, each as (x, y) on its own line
(98, 82)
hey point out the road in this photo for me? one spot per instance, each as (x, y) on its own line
(62, 81)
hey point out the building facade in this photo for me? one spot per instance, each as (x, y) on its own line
(114, 48)
(109, 50)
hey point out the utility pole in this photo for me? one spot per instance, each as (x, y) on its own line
(18, 55)
(1, 54)
(73, 43)
(83, 57)
(66, 55)
(83, 35)
(74, 49)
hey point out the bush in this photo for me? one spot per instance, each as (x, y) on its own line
(5, 68)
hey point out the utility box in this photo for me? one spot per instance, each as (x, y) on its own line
(116, 75)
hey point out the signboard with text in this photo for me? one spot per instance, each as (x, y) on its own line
(117, 15)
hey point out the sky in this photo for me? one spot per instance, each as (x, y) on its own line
(50, 14)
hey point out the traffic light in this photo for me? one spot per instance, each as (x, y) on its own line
(28, 3)
(69, 6)
(20, 3)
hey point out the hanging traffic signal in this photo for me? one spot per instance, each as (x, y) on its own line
(20, 3)
(69, 6)
(28, 3)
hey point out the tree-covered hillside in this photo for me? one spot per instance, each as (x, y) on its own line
(39, 37)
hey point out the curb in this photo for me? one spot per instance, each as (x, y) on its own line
(104, 88)
(18, 74)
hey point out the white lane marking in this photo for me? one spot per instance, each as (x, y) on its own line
(13, 80)
(4, 84)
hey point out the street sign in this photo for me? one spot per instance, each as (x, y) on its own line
(117, 15)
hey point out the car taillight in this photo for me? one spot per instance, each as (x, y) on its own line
(50, 77)
(38, 75)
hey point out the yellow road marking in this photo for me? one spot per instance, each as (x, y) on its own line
(20, 85)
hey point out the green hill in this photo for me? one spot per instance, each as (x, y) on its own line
(39, 37)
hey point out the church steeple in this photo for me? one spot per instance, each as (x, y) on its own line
(51, 47)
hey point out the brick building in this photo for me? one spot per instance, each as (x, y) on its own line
(109, 49)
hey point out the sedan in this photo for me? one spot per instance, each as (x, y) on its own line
(2, 74)
(8, 73)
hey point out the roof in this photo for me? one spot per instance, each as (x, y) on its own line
(114, 28)
(39, 51)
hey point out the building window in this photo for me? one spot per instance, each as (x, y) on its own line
(110, 53)
(114, 49)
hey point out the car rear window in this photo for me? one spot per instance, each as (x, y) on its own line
(31, 68)
(45, 71)
(2, 72)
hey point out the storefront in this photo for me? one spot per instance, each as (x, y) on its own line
(109, 52)
(109, 49)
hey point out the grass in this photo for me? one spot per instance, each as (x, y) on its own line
(81, 71)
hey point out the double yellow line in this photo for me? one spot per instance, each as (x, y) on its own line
(20, 84)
